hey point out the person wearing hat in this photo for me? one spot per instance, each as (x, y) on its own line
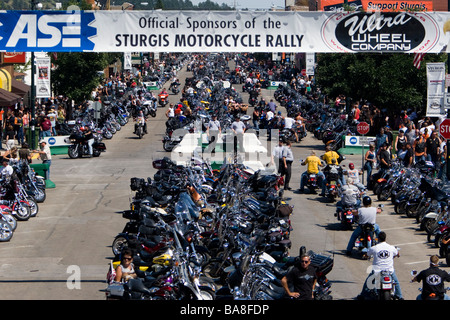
(45, 155)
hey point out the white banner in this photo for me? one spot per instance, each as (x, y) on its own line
(42, 83)
(224, 31)
(127, 61)
(435, 89)
(310, 63)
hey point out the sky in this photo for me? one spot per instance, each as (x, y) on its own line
(250, 4)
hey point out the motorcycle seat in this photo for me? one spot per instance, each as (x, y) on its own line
(136, 285)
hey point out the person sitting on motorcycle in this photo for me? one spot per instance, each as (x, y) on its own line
(334, 172)
(383, 255)
(140, 119)
(329, 155)
(366, 214)
(350, 196)
(354, 174)
(289, 123)
(163, 92)
(432, 289)
(175, 82)
(312, 163)
(89, 138)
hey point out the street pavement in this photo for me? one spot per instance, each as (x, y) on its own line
(64, 252)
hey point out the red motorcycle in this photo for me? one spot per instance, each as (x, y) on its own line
(163, 98)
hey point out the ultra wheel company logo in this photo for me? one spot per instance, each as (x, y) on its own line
(50, 31)
(380, 31)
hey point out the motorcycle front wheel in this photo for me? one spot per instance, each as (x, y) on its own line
(23, 212)
(168, 146)
(9, 218)
(6, 231)
(73, 152)
(118, 244)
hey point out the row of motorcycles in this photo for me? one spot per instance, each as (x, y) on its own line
(20, 194)
(204, 234)
(415, 193)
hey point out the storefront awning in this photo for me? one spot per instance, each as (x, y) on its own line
(19, 88)
(8, 99)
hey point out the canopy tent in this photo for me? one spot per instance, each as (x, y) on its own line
(8, 99)
(19, 88)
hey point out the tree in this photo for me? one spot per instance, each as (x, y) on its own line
(76, 74)
(388, 80)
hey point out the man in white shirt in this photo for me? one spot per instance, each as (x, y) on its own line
(354, 174)
(7, 170)
(289, 124)
(383, 255)
(238, 128)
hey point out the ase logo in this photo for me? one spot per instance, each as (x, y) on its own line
(46, 30)
(380, 32)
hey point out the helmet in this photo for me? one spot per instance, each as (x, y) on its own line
(367, 201)
(351, 166)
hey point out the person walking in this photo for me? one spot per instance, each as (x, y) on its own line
(288, 158)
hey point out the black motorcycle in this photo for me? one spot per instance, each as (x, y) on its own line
(79, 146)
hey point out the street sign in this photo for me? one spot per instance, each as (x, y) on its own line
(363, 128)
(444, 129)
(446, 100)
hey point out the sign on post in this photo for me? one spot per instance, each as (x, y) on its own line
(444, 129)
(363, 128)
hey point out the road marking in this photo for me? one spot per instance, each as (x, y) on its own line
(409, 243)
(418, 262)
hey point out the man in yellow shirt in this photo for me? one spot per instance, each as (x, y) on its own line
(312, 163)
(329, 155)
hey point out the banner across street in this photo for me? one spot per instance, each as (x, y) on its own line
(224, 31)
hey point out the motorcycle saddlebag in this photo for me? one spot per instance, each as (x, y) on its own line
(136, 183)
(322, 263)
(164, 163)
(100, 146)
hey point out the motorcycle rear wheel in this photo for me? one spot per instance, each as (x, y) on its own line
(6, 231)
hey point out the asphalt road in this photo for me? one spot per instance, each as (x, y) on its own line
(63, 253)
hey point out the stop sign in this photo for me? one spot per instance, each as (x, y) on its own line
(363, 128)
(444, 129)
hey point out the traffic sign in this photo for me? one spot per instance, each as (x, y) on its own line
(444, 129)
(363, 128)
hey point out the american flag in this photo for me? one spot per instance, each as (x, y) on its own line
(418, 57)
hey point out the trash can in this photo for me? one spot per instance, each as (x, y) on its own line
(41, 170)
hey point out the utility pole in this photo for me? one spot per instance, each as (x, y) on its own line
(33, 94)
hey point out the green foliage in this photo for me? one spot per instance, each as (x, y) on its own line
(77, 73)
(387, 80)
(152, 4)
